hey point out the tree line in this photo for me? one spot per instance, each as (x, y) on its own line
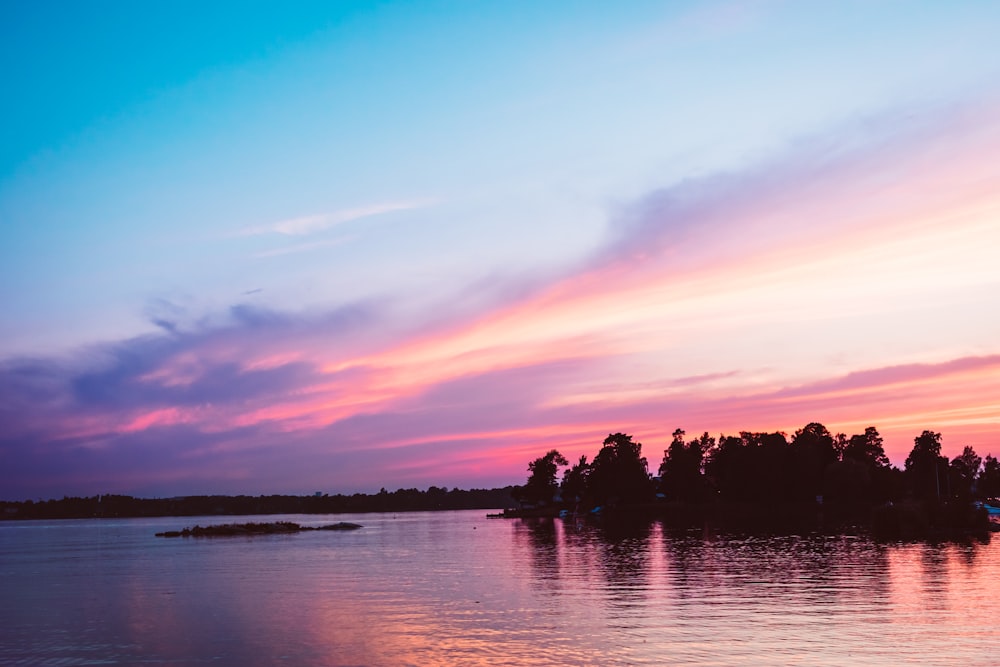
(812, 466)
(401, 500)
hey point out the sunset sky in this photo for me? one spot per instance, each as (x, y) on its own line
(261, 247)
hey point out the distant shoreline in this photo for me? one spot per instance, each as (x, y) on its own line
(120, 506)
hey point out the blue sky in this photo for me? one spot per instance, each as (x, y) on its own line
(175, 172)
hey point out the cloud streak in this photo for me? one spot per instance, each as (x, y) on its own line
(314, 224)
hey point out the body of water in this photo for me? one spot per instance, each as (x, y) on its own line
(456, 588)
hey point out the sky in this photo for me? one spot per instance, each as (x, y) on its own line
(258, 247)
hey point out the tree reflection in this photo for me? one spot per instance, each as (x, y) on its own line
(614, 556)
(688, 563)
(934, 566)
(542, 539)
(624, 556)
(968, 552)
(812, 570)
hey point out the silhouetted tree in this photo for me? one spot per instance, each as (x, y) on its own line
(963, 471)
(541, 486)
(722, 468)
(840, 442)
(574, 482)
(753, 466)
(867, 448)
(863, 473)
(681, 475)
(811, 451)
(926, 469)
(619, 473)
(989, 478)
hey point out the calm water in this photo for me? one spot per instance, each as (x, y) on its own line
(456, 588)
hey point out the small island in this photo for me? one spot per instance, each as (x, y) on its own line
(237, 529)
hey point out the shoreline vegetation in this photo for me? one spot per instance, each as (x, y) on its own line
(121, 506)
(770, 482)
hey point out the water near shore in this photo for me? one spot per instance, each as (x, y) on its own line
(455, 588)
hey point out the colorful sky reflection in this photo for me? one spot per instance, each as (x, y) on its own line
(255, 249)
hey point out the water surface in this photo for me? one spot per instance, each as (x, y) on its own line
(455, 588)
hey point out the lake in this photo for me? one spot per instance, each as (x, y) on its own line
(456, 588)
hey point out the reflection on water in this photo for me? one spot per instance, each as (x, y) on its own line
(456, 588)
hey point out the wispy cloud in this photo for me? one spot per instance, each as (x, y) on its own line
(312, 224)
